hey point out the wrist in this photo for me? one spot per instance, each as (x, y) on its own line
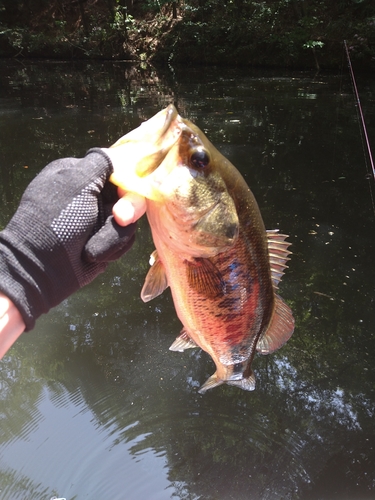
(11, 324)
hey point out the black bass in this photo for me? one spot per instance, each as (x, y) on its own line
(212, 250)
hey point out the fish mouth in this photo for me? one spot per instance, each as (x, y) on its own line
(171, 113)
(145, 149)
(167, 136)
(146, 130)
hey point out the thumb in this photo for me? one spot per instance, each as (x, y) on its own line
(129, 208)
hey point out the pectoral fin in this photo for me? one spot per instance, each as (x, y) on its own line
(280, 328)
(205, 278)
(156, 280)
(183, 342)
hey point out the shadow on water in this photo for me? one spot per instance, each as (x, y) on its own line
(93, 405)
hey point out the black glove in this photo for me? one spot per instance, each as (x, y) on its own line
(62, 235)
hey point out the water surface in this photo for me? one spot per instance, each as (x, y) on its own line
(92, 403)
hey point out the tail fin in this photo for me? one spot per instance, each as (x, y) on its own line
(246, 383)
(210, 383)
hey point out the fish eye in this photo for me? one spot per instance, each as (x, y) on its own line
(200, 158)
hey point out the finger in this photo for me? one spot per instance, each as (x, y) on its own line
(129, 208)
(110, 242)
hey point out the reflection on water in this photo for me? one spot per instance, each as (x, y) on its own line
(93, 405)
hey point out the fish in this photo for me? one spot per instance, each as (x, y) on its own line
(212, 250)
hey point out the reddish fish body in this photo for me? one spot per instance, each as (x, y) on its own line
(213, 251)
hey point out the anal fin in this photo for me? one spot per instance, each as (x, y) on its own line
(184, 341)
(280, 329)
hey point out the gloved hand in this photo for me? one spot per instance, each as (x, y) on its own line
(62, 235)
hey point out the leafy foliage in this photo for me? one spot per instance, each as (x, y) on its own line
(241, 32)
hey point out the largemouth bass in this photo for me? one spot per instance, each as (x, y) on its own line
(213, 251)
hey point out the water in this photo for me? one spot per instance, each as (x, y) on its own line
(92, 403)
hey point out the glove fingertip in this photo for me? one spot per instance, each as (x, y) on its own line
(110, 242)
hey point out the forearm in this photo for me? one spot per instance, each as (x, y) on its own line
(11, 324)
(60, 238)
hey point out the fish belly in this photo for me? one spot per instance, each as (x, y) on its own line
(225, 321)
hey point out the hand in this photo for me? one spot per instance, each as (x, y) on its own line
(63, 233)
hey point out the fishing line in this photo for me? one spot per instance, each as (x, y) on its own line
(360, 109)
(335, 140)
(363, 129)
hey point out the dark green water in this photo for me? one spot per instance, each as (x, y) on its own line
(92, 403)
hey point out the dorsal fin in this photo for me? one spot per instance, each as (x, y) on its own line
(278, 255)
(156, 279)
(280, 329)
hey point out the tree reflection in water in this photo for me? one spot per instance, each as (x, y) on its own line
(102, 356)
